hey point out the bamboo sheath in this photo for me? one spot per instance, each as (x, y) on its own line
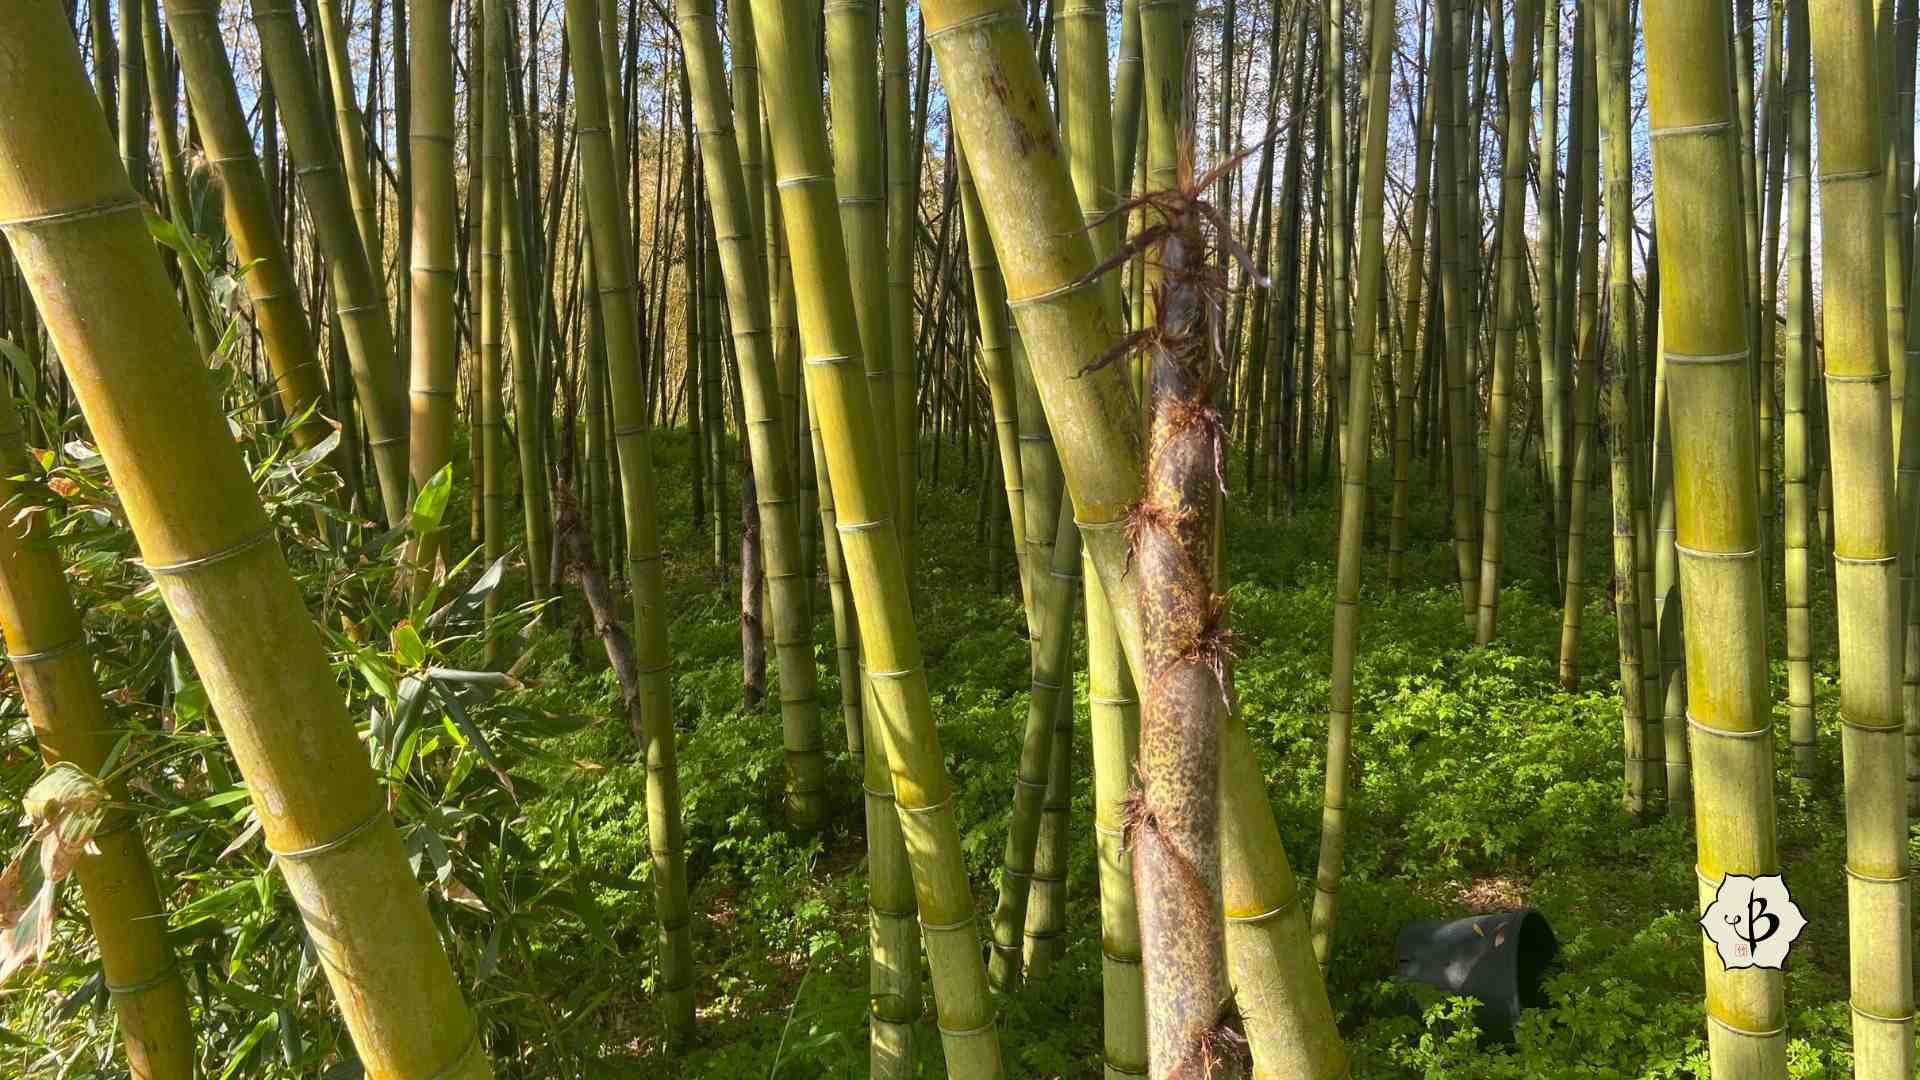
(832, 338)
(740, 269)
(47, 647)
(76, 229)
(1033, 215)
(1866, 539)
(1716, 500)
(607, 220)
(251, 220)
(360, 302)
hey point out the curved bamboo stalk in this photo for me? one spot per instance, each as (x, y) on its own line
(607, 220)
(1866, 538)
(1716, 498)
(832, 336)
(250, 216)
(75, 225)
(360, 304)
(47, 647)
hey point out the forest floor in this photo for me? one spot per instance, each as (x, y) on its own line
(1480, 786)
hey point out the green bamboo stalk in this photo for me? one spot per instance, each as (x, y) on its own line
(1513, 208)
(1127, 87)
(1798, 387)
(1409, 340)
(531, 443)
(741, 267)
(852, 27)
(132, 128)
(251, 220)
(1716, 498)
(1353, 496)
(1339, 335)
(490, 430)
(607, 219)
(1450, 42)
(1612, 33)
(350, 129)
(433, 336)
(903, 212)
(1866, 538)
(360, 305)
(75, 226)
(173, 176)
(996, 364)
(1114, 713)
(1555, 365)
(1587, 388)
(47, 646)
(1033, 215)
(832, 336)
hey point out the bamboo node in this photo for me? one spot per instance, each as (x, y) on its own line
(338, 842)
(803, 180)
(1873, 880)
(1709, 358)
(1054, 293)
(862, 200)
(78, 213)
(167, 974)
(1851, 174)
(1684, 130)
(1701, 553)
(61, 649)
(1266, 916)
(1006, 14)
(965, 1033)
(1880, 1018)
(965, 922)
(459, 1059)
(1770, 1033)
(223, 554)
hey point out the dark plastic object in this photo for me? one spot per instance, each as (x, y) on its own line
(1502, 959)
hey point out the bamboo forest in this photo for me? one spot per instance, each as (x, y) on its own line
(868, 540)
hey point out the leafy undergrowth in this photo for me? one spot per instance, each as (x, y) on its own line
(1478, 785)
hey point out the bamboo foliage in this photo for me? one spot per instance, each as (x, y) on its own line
(75, 225)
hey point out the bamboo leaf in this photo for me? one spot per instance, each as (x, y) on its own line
(473, 733)
(407, 646)
(23, 367)
(430, 506)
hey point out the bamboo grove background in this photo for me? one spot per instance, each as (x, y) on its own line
(466, 273)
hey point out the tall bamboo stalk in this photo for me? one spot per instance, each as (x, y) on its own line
(173, 173)
(1034, 217)
(1587, 389)
(1353, 496)
(774, 478)
(607, 219)
(47, 647)
(1866, 537)
(1409, 340)
(1716, 497)
(1513, 265)
(1798, 386)
(351, 131)
(832, 336)
(1114, 714)
(75, 226)
(433, 336)
(360, 302)
(903, 211)
(489, 430)
(251, 220)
